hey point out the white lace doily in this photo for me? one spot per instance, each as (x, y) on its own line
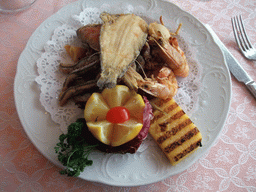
(51, 79)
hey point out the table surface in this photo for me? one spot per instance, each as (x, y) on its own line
(230, 165)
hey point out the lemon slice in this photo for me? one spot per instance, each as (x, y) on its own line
(136, 106)
(117, 96)
(102, 131)
(96, 108)
(122, 133)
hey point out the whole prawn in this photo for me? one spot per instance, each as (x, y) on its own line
(163, 86)
(168, 49)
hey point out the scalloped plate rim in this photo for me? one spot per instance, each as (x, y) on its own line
(24, 124)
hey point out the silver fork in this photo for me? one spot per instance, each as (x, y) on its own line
(242, 38)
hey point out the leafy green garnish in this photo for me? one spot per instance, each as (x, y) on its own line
(73, 150)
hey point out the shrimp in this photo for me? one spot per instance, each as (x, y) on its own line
(167, 48)
(164, 86)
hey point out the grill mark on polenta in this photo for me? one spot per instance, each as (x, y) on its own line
(171, 107)
(187, 150)
(160, 102)
(156, 117)
(167, 110)
(177, 115)
(163, 126)
(173, 131)
(186, 137)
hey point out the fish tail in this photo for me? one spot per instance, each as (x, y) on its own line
(108, 79)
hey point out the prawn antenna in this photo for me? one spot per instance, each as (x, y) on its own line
(157, 108)
(177, 30)
(96, 53)
(141, 68)
(161, 20)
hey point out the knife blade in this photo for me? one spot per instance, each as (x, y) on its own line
(235, 68)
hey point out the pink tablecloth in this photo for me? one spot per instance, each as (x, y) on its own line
(230, 165)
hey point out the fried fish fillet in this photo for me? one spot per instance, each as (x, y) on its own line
(173, 130)
(121, 39)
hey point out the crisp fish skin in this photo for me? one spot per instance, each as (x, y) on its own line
(121, 40)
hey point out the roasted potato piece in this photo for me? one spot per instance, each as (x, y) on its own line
(76, 53)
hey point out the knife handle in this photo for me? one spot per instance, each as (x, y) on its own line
(252, 87)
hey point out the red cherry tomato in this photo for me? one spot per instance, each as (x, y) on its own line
(118, 115)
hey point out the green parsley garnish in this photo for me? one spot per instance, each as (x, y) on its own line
(73, 150)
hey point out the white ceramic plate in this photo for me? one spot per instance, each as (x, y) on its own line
(151, 165)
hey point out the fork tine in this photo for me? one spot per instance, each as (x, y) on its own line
(242, 38)
(240, 34)
(234, 25)
(244, 34)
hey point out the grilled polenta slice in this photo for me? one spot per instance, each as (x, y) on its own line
(173, 130)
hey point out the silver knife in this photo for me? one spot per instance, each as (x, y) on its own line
(235, 68)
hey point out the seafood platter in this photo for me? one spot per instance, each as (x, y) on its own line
(115, 90)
